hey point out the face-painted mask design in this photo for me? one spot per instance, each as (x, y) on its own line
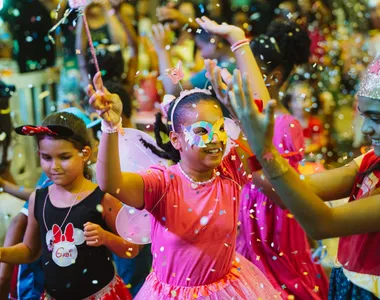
(201, 133)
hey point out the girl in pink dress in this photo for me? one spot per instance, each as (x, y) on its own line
(194, 204)
(269, 236)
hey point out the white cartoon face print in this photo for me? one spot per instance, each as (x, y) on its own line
(63, 245)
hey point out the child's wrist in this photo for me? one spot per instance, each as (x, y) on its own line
(236, 36)
(273, 163)
(106, 238)
(110, 128)
(239, 44)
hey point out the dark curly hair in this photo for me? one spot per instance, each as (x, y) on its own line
(80, 139)
(285, 45)
(166, 150)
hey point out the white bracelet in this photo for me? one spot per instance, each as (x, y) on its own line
(106, 128)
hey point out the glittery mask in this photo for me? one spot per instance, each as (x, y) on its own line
(202, 132)
(369, 86)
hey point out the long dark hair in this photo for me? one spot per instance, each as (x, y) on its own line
(80, 139)
(166, 150)
(284, 45)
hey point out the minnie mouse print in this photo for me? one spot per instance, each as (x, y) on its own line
(63, 246)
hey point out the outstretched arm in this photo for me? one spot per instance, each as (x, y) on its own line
(245, 60)
(161, 43)
(30, 249)
(14, 236)
(22, 193)
(127, 187)
(116, 29)
(318, 220)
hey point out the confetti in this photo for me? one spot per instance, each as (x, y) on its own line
(99, 208)
(204, 220)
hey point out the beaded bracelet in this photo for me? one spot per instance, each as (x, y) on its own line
(106, 128)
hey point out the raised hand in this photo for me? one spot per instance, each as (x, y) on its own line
(160, 37)
(258, 128)
(107, 105)
(229, 32)
(221, 81)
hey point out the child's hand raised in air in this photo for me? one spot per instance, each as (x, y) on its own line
(231, 33)
(107, 105)
(94, 235)
(221, 81)
(258, 127)
(160, 37)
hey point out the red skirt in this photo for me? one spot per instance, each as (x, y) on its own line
(115, 290)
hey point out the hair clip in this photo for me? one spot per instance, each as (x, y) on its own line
(176, 74)
(53, 130)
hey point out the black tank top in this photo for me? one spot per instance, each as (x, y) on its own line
(72, 269)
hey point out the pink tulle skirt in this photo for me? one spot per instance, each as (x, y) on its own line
(243, 282)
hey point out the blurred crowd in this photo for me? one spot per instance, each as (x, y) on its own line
(344, 37)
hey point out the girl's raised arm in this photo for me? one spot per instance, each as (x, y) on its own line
(127, 187)
(245, 60)
(318, 220)
(30, 249)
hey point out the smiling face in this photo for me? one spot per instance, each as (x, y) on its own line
(370, 110)
(210, 155)
(61, 161)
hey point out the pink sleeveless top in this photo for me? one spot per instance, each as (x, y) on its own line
(359, 255)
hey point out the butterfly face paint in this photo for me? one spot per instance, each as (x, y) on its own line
(201, 133)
